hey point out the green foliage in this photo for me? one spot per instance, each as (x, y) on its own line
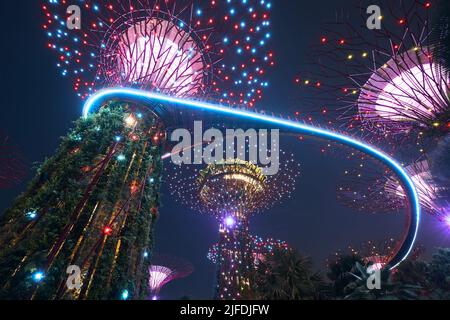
(412, 280)
(286, 275)
(289, 276)
(340, 276)
(61, 185)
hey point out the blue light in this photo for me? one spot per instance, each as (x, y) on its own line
(31, 215)
(414, 208)
(38, 276)
(230, 222)
(125, 295)
(121, 157)
(118, 138)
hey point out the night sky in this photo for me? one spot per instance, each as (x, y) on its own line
(38, 107)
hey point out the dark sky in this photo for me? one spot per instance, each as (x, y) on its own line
(38, 107)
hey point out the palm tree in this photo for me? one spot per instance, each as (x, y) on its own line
(439, 274)
(340, 274)
(287, 275)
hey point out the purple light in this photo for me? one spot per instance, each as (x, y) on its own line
(155, 298)
(230, 222)
(447, 220)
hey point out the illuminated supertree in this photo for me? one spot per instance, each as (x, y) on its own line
(179, 47)
(232, 190)
(96, 201)
(384, 82)
(429, 193)
(374, 192)
(166, 270)
(260, 249)
(12, 167)
(97, 198)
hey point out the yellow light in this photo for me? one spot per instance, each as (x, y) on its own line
(364, 55)
(436, 124)
(350, 57)
(130, 121)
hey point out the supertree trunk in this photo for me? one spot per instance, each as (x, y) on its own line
(92, 205)
(235, 259)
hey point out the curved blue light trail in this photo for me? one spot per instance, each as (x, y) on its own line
(414, 206)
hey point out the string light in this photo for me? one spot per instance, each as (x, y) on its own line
(197, 42)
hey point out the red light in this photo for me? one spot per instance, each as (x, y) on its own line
(107, 231)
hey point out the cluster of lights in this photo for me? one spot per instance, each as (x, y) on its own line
(212, 47)
(218, 189)
(233, 190)
(377, 191)
(376, 254)
(397, 88)
(260, 249)
(31, 215)
(428, 191)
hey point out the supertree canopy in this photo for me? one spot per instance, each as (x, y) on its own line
(233, 186)
(184, 48)
(430, 194)
(232, 190)
(12, 166)
(407, 92)
(376, 192)
(167, 269)
(385, 84)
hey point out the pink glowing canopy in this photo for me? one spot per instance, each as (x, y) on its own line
(427, 190)
(408, 88)
(159, 276)
(156, 54)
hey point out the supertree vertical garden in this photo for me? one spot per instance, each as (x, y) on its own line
(216, 49)
(386, 83)
(164, 270)
(93, 205)
(232, 191)
(96, 200)
(12, 165)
